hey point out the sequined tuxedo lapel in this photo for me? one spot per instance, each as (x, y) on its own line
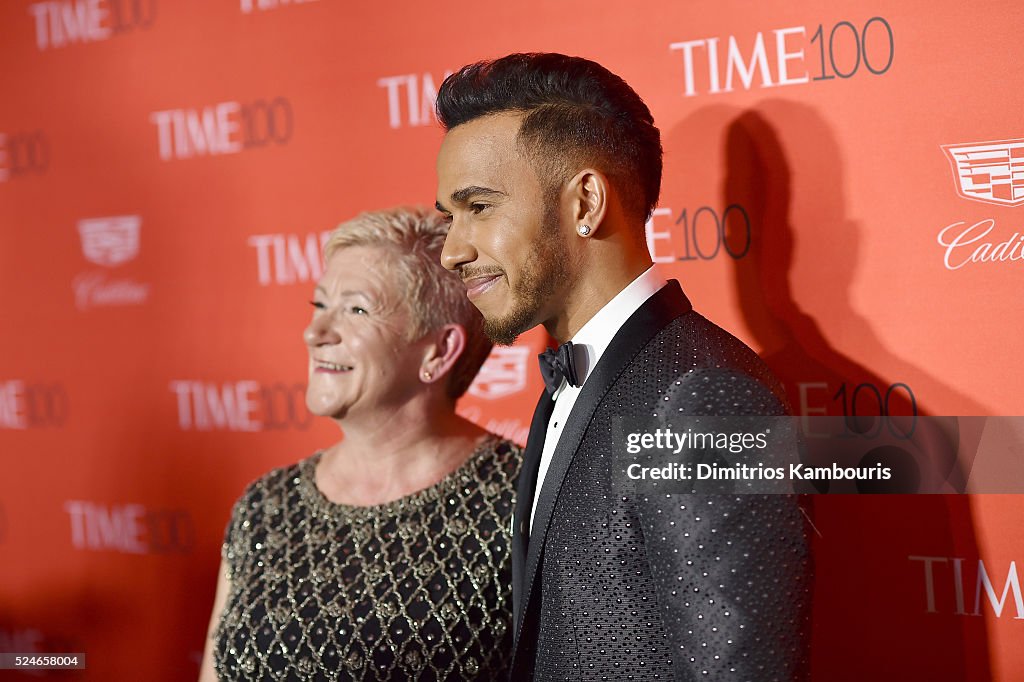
(524, 495)
(658, 311)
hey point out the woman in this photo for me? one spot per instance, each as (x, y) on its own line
(385, 555)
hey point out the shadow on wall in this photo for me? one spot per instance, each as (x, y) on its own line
(785, 166)
(782, 163)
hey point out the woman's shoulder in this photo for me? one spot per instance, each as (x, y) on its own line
(265, 505)
(275, 486)
(498, 460)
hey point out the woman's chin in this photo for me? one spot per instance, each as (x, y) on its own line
(326, 408)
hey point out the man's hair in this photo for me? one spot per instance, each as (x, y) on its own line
(576, 113)
(434, 296)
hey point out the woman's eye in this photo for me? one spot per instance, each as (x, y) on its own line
(359, 310)
(318, 305)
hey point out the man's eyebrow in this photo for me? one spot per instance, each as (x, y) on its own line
(460, 196)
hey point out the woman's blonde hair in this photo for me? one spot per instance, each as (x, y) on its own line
(435, 297)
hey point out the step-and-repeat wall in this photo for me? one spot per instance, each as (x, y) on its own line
(844, 190)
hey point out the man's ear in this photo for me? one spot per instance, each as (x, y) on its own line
(588, 191)
(448, 344)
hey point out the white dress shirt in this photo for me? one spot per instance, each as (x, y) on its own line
(589, 345)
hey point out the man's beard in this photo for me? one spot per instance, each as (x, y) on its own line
(545, 271)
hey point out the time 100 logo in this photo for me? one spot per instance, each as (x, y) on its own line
(703, 233)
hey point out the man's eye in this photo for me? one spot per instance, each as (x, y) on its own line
(359, 310)
(318, 305)
(477, 208)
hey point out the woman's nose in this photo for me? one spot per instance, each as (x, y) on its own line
(321, 331)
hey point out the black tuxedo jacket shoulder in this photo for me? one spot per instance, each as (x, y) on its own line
(671, 587)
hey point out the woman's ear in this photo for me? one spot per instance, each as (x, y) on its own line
(448, 344)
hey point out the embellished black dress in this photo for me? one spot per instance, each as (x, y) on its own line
(415, 589)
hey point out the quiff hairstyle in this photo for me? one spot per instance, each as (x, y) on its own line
(576, 114)
(433, 296)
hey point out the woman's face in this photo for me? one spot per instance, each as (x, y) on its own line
(359, 359)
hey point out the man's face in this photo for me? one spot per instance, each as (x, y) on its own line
(505, 239)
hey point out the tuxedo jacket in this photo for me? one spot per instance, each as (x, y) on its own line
(614, 586)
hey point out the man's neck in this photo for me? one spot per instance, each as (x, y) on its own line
(595, 288)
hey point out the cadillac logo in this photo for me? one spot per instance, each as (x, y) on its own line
(503, 373)
(111, 240)
(992, 172)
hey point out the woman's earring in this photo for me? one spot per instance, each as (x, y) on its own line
(427, 375)
(584, 230)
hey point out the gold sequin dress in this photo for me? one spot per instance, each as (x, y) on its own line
(415, 589)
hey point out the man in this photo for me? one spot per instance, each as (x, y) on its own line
(549, 169)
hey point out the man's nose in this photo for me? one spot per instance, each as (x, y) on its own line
(458, 250)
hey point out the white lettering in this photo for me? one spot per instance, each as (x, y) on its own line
(39, 12)
(283, 274)
(162, 121)
(687, 48)
(394, 110)
(929, 582)
(227, 126)
(411, 90)
(289, 258)
(664, 235)
(788, 58)
(95, 527)
(261, 242)
(12, 405)
(249, 5)
(95, 290)
(225, 407)
(736, 64)
(304, 259)
(1012, 583)
(420, 96)
(985, 252)
(713, 65)
(60, 23)
(428, 98)
(181, 389)
(185, 133)
(29, 641)
(806, 410)
(4, 171)
(202, 131)
(958, 586)
(998, 602)
(783, 57)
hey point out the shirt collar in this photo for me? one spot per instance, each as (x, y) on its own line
(590, 342)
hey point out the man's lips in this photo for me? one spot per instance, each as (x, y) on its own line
(476, 286)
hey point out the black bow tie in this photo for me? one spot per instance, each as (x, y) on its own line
(556, 365)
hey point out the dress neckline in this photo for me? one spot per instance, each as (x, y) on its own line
(449, 483)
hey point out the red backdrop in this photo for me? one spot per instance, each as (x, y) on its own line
(167, 169)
